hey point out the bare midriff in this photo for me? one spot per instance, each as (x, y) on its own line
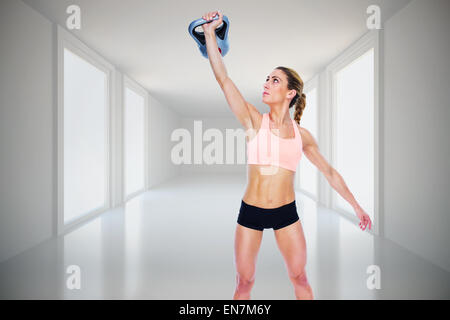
(269, 190)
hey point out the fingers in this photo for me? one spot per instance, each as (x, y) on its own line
(207, 16)
(368, 222)
(210, 15)
(363, 223)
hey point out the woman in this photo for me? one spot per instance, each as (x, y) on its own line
(269, 200)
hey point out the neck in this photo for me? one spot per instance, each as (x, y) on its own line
(280, 117)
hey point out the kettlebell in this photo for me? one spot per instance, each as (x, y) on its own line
(221, 35)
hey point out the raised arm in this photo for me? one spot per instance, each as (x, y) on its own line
(234, 98)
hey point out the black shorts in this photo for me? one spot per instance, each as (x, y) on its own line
(266, 218)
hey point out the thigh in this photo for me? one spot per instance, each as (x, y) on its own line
(246, 247)
(292, 244)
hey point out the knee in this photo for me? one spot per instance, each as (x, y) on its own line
(300, 279)
(244, 281)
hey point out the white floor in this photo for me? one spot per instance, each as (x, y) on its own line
(176, 242)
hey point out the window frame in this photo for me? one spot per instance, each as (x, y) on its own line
(66, 40)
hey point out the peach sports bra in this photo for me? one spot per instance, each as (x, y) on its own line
(266, 148)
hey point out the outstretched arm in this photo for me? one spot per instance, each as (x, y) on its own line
(234, 98)
(311, 151)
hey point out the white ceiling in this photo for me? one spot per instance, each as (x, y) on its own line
(148, 41)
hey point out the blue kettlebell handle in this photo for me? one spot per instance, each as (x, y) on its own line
(221, 34)
(199, 22)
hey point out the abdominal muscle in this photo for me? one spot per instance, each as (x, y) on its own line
(269, 190)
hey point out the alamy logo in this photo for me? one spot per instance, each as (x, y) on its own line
(74, 279)
(74, 20)
(374, 21)
(374, 280)
(213, 153)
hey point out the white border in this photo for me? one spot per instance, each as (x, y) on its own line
(67, 40)
(370, 40)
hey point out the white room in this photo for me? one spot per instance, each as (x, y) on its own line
(124, 161)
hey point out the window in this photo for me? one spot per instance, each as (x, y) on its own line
(135, 105)
(85, 161)
(354, 130)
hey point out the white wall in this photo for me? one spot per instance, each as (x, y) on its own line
(416, 129)
(163, 121)
(28, 164)
(27, 128)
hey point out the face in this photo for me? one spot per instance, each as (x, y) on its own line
(275, 89)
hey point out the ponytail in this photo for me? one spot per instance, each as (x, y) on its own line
(300, 104)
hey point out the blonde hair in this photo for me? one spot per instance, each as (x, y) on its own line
(295, 82)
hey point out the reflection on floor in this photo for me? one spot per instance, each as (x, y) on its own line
(176, 242)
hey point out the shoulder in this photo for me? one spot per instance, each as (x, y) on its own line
(307, 138)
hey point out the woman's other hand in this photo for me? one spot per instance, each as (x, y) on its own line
(364, 219)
